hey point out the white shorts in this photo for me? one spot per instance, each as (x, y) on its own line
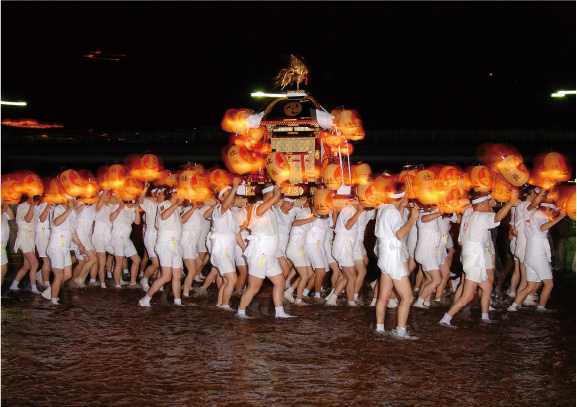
(222, 257)
(449, 242)
(343, 250)
(359, 251)
(282, 244)
(427, 256)
(521, 247)
(201, 245)
(239, 257)
(149, 242)
(512, 246)
(297, 254)
(169, 254)
(59, 256)
(188, 242)
(538, 260)
(74, 248)
(25, 241)
(42, 239)
(316, 255)
(489, 251)
(102, 244)
(329, 251)
(476, 274)
(263, 263)
(123, 246)
(84, 232)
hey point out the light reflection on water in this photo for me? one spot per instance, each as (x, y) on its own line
(100, 348)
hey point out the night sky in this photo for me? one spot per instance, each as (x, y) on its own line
(412, 65)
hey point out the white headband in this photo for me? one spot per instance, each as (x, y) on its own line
(481, 199)
(399, 195)
(222, 191)
(100, 193)
(68, 196)
(172, 190)
(268, 189)
(548, 205)
(537, 190)
(289, 200)
(153, 191)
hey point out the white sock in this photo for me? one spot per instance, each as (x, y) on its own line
(144, 281)
(356, 297)
(427, 303)
(287, 284)
(278, 311)
(331, 293)
(92, 280)
(108, 274)
(374, 302)
(352, 303)
(14, 284)
(390, 304)
(289, 291)
(380, 327)
(419, 301)
(541, 307)
(446, 318)
(331, 297)
(117, 286)
(484, 316)
(146, 299)
(178, 301)
(46, 284)
(299, 301)
(125, 271)
(317, 295)
(514, 305)
(241, 311)
(401, 329)
(306, 292)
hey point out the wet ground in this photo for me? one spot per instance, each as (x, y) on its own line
(99, 348)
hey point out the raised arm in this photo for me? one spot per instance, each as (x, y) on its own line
(505, 209)
(549, 225)
(406, 228)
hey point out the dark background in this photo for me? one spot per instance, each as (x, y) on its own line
(419, 66)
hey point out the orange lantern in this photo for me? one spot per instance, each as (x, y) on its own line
(237, 159)
(185, 189)
(331, 139)
(234, 120)
(278, 167)
(115, 176)
(501, 189)
(448, 176)
(323, 201)
(368, 194)
(552, 194)
(481, 178)
(511, 167)
(425, 189)
(556, 167)
(451, 200)
(361, 173)
(31, 185)
(55, 192)
(10, 192)
(150, 167)
(72, 182)
(333, 177)
(130, 189)
(218, 178)
(349, 123)
(407, 177)
(385, 184)
(345, 149)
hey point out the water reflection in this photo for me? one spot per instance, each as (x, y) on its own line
(100, 348)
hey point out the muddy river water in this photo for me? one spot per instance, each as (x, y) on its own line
(99, 348)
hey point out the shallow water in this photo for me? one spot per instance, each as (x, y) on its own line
(100, 348)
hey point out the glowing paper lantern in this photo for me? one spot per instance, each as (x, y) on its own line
(448, 176)
(218, 178)
(345, 149)
(333, 177)
(501, 189)
(72, 182)
(331, 139)
(237, 159)
(31, 185)
(278, 167)
(130, 189)
(11, 192)
(185, 188)
(570, 206)
(234, 120)
(425, 188)
(407, 177)
(349, 123)
(115, 176)
(361, 173)
(481, 179)
(150, 167)
(55, 192)
(451, 200)
(385, 184)
(513, 170)
(323, 201)
(368, 194)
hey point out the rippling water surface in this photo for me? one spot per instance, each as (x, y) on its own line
(99, 348)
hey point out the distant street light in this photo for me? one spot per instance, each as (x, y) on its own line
(13, 103)
(562, 93)
(270, 95)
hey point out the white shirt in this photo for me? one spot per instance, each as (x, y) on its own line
(429, 232)
(298, 233)
(285, 221)
(149, 207)
(193, 223)
(21, 212)
(477, 226)
(266, 224)
(125, 217)
(522, 216)
(225, 223)
(363, 221)
(318, 232)
(69, 223)
(388, 222)
(533, 226)
(37, 212)
(344, 216)
(172, 224)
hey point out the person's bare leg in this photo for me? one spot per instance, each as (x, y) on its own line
(254, 285)
(278, 289)
(134, 268)
(228, 286)
(118, 262)
(176, 277)
(284, 265)
(190, 265)
(403, 287)
(241, 280)
(361, 269)
(351, 275)
(386, 286)
(445, 275)
(319, 279)
(210, 278)
(45, 270)
(545, 292)
(433, 281)
(101, 266)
